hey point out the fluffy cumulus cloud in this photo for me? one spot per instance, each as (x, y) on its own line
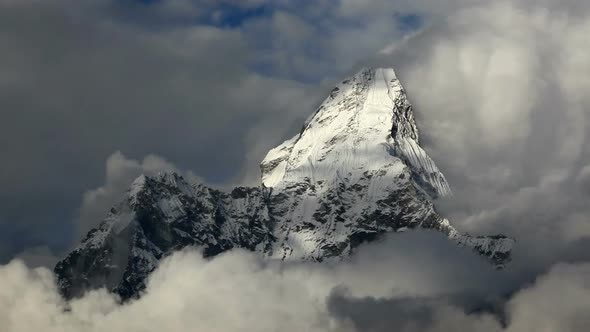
(238, 291)
(500, 92)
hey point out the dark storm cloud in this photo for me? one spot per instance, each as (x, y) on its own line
(75, 89)
(407, 314)
(370, 314)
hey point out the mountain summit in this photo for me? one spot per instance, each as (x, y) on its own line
(355, 172)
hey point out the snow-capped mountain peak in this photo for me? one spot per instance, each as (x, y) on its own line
(365, 123)
(355, 172)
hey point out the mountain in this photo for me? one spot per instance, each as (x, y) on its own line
(354, 172)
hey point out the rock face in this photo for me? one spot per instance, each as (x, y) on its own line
(354, 172)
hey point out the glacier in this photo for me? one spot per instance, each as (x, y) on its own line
(354, 172)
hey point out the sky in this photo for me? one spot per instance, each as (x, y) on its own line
(94, 93)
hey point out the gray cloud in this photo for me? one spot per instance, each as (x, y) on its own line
(82, 79)
(76, 87)
(498, 91)
(41, 256)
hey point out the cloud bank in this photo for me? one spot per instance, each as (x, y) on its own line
(238, 291)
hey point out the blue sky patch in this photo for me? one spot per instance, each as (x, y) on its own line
(220, 15)
(409, 22)
(226, 16)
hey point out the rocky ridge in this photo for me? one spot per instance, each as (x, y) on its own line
(354, 172)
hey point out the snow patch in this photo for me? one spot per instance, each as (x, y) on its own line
(423, 165)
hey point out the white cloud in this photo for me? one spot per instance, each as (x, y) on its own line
(559, 301)
(238, 291)
(499, 94)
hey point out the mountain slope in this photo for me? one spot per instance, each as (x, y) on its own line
(354, 172)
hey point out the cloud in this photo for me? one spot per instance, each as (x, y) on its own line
(409, 314)
(498, 94)
(104, 76)
(188, 292)
(80, 83)
(41, 256)
(533, 308)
